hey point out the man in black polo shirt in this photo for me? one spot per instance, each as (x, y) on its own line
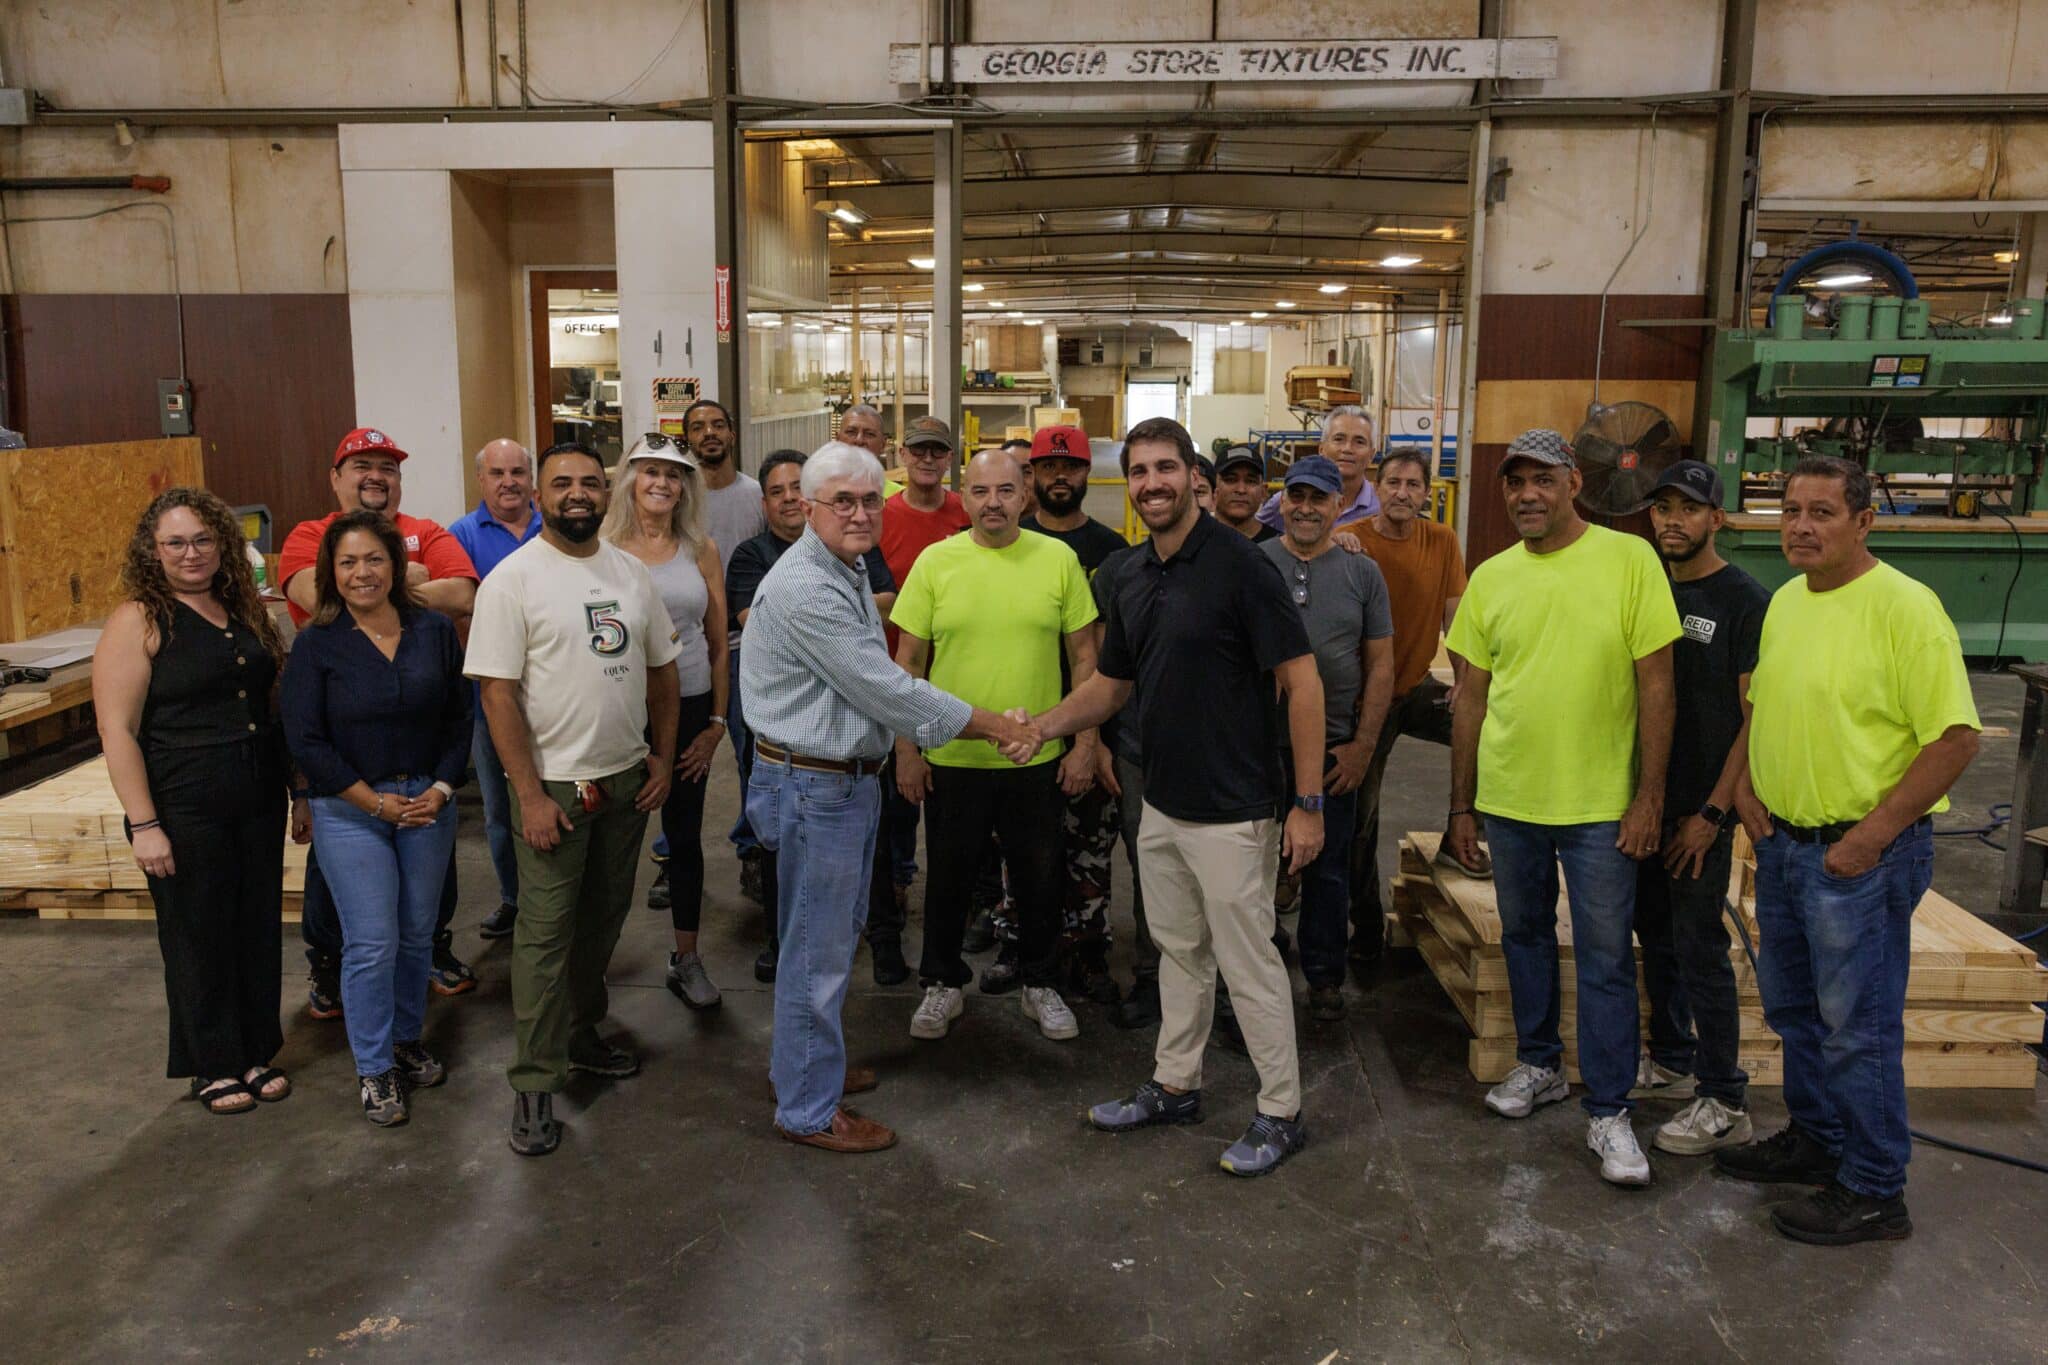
(1202, 625)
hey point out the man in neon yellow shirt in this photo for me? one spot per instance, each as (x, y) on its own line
(1861, 720)
(987, 614)
(1560, 737)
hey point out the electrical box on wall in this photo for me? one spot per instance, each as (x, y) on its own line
(174, 406)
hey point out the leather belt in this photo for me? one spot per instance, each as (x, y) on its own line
(775, 753)
(1813, 834)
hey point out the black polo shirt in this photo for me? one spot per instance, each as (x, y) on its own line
(1200, 634)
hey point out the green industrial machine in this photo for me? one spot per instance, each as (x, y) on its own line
(1951, 422)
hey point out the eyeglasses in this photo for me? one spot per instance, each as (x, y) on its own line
(178, 546)
(1300, 584)
(938, 453)
(845, 505)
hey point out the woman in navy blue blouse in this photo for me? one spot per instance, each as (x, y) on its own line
(377, 714)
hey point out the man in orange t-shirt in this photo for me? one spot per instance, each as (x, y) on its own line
(1425, 576)
(923, 514)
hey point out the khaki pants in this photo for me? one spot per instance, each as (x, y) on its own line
(1209, 906)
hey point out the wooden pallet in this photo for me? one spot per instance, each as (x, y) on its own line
(1970, 990)
(129, 906)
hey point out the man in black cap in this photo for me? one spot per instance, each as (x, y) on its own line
(1678, 894)
(1241, 491)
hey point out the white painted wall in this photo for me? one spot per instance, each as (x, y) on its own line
(665, 286)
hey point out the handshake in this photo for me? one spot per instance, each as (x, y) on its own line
(1016, 736)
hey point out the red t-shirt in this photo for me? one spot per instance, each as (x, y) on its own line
(426, 542)
(908, 532)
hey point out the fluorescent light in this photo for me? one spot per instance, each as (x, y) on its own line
(764, 320)
(1333, 288)
(1283, 303)
(2005, 257)
(1032, 322)
(845, 210)
(1843, 279)
(1013, 314)
(1400, 261)
(923, 262)
(2001, 318)
(811, 326)
(1238, 322)
(970, 289)
(1259, 315)
(842, 329)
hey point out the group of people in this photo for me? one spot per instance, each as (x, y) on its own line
(995, 663)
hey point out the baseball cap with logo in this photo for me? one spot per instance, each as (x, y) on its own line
(1316, 472)
(1542, 445)
(367, 440)
(1238, 455)
(1700, 482)
(928, 431)
(1060, 443)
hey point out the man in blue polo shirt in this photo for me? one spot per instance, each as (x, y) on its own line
(504, 520)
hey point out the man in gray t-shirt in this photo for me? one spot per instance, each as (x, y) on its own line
(732, 500)
(1343, 602)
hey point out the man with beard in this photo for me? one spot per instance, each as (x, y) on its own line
(365, 477)
(1201, 624)
(1560, 737)
(1343, 603)
(732, 500)
(1678, 896)
(575, 653)
(1240, 490)
(990, 616)
(1060, 465)
(1347, 443)
(1425, 573)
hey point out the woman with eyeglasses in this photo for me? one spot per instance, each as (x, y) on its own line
(657, 516)
(378, 716)
(182, 683)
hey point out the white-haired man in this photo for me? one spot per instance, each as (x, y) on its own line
(1348, 444)
(825, 702)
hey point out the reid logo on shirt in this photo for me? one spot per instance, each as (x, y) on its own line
(1699, 628)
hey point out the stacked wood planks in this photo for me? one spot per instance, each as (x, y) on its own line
(63, 852)
(1969, 991)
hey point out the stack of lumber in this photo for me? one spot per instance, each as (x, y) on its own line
(1320, 386)
(1969, 990)
(63, 852)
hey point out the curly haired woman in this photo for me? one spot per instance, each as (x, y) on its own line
(183, 684)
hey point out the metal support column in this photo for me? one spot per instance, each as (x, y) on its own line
(728, 181)
(1475, 281)
(947, 329)
(898, 427)
(1728, 208)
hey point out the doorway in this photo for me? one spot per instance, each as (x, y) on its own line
(574, 316)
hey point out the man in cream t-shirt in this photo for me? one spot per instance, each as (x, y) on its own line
(575, 654)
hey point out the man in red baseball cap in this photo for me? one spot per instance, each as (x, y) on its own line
(365, 476)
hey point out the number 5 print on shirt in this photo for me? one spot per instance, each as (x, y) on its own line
(608, 634)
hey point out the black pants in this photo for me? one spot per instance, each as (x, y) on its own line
(320, 922)
(682, 821)
(1686, 968)
(217, 915)
(886, 919)
(1131, 809)
(1418, 712)
(1022, 807)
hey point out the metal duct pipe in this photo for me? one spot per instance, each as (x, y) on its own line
(155, 184)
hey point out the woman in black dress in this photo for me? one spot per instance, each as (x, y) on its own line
(183, 684)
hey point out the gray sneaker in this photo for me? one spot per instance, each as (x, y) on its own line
(1705, 1125)
(1267, 1143)
(937, 1011)
(420, 1068)
(1526, 1089)
(1621, 1161)
(384, 1099)
(690, 983)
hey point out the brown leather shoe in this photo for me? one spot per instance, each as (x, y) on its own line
(859, 1080)
(849, 1133)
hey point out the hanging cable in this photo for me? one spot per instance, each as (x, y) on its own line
(1649, 208)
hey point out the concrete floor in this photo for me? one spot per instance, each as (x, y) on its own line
(673, 1225)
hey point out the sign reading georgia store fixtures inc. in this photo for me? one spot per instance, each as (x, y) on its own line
(1345, 59)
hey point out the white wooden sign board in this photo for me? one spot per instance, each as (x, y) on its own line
(1363, 60)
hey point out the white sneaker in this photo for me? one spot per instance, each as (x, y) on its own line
(1621, 1161)
(1653, 1079)
(1526, 1088)
(1055, 1020)
(1703, 1126)
(934, 1018)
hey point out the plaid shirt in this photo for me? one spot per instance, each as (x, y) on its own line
(816, 677)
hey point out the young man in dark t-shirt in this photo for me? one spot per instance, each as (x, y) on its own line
(1203, 625)
(1678, 894)
(1060, 465)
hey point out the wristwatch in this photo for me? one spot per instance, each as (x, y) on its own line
(1310, 803)
(1714, 815)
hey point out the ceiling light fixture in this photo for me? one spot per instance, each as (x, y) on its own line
(1844, 279)
(764, 320)
(1400, 260)
(970, 289)
(1238, 322)
(1333, 288)
(1283, 303)
(845, 210)
(1013, 314)
(1260, 315)
(2005, 257)
(923, 262)
(2001, 318)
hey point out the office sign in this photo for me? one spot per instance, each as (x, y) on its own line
(1361, 60)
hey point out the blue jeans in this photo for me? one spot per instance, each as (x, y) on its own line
(742, 835)
(821, 827)
(1832, 956)
(1326, 895)
(387, 889)
(1602, 881)
(498, 831)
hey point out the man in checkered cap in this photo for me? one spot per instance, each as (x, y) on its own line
(1559, 740)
